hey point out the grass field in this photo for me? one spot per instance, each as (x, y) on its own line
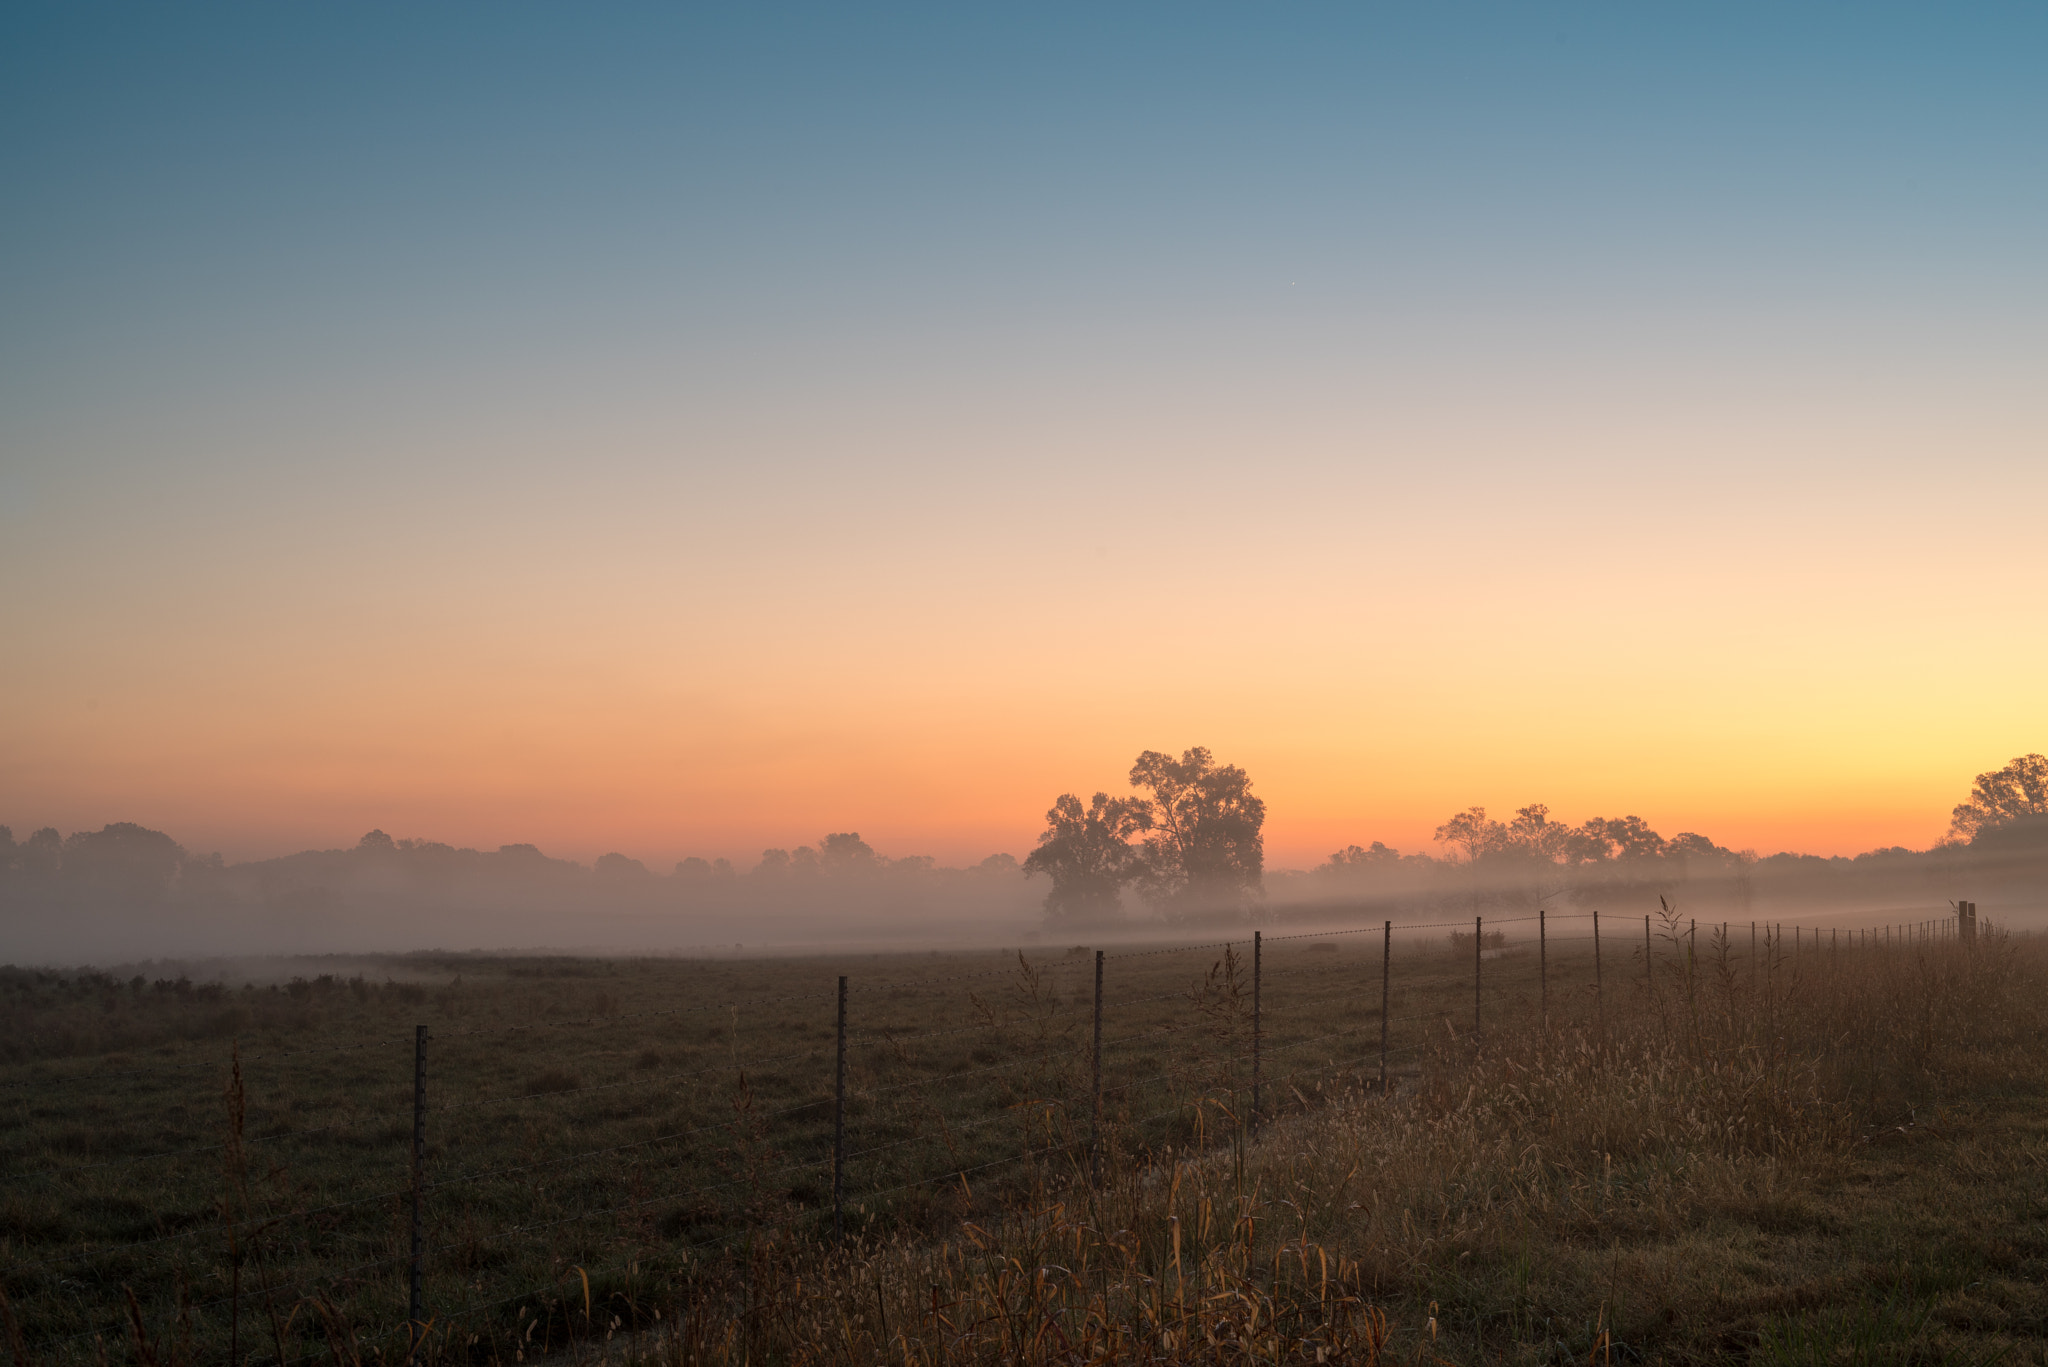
(1780, 1154)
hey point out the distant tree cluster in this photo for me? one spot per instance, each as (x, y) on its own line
(1532, 856)
(1533, 838)
(126, 868)
(1188, 839)
(122, 858)
(1191, 840)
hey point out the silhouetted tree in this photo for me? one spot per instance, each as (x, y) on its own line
(1353, 857)
(1629, 838)
(1534, 837)
(2018, 792)
(618, 868)
(1087, 853)
(1472, 832)
(1694, 852)
(38, 858)
(122, 857)
(845, 851)
(1205, 847)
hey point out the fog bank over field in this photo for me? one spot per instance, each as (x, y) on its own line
(1183, 852)
(125, 893)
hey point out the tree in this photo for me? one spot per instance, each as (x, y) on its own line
(1629, 838)
(37, 858)
(1472, 832)
(122, 857)
(619, 868)
(845, 850)
(1355, 857)
(2001, 797)
(1087, 853)
(1535, 837)
(1206, 847)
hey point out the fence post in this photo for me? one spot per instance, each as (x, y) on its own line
(1599, 994)
(1649, 959)
(1095, 1063)
(839, 1125)
(417, 1301)
(1478, 949)
(1258, 943)
(1386, 978)
(1543, 969)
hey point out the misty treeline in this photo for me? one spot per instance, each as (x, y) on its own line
(1188, 842)
(126, 891)
(1185, 845)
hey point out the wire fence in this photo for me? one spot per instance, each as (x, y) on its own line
(466, 1183)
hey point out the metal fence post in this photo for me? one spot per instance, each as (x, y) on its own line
(1386, 977)
(839, 1125)
(1095, 1063)
(1543, 968)
(1599, 995)
(1258, 941)
(1649, 961)
(417, 1301)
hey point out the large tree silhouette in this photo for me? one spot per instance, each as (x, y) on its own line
(1088, 855)
(1205, 848)
(2018, 792)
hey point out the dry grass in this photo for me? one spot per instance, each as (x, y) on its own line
(1838, 1164)
(1831, 1155)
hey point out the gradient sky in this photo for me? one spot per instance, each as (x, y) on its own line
(685, 432)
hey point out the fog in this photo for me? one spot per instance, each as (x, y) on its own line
(125, 894)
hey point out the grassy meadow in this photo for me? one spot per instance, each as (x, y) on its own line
(1820, 1152)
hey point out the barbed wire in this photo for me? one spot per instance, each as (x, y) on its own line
(1275, 1045)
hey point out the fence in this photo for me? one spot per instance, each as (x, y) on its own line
(556, 1165)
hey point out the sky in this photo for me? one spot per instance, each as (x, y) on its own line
(685, 430)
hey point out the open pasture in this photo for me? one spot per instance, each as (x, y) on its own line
(606, 1139)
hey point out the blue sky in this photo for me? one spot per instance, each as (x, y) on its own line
(953, 356)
